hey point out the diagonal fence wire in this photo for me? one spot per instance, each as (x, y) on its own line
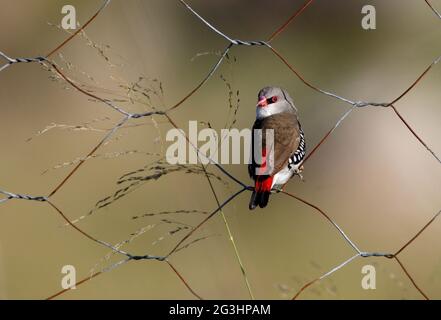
(7, 196)
(436, 12)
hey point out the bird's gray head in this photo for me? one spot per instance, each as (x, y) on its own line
(273, 100)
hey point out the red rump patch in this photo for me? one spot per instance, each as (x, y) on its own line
(264, 185)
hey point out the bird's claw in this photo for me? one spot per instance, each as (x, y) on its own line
(298, 172)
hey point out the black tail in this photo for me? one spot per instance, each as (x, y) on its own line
(259, 199)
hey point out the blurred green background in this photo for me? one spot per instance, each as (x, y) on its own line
(372, 176)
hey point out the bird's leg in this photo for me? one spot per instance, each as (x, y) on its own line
(277, 189)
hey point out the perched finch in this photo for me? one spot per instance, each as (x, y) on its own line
(275, 110)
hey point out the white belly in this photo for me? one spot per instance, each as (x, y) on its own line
(284, 175)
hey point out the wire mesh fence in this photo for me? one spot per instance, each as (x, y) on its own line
(166, 114)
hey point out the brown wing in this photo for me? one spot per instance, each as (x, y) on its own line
(286, 139)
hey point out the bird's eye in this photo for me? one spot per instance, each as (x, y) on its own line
(273, 99)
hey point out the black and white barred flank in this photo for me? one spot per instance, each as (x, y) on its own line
(300, 153)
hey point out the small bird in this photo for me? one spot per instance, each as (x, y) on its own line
(275, 110)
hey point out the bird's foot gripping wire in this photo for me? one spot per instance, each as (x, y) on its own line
(298, 172)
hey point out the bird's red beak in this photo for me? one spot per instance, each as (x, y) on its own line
(262, 102)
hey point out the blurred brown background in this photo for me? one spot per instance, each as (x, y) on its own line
(372, 176)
